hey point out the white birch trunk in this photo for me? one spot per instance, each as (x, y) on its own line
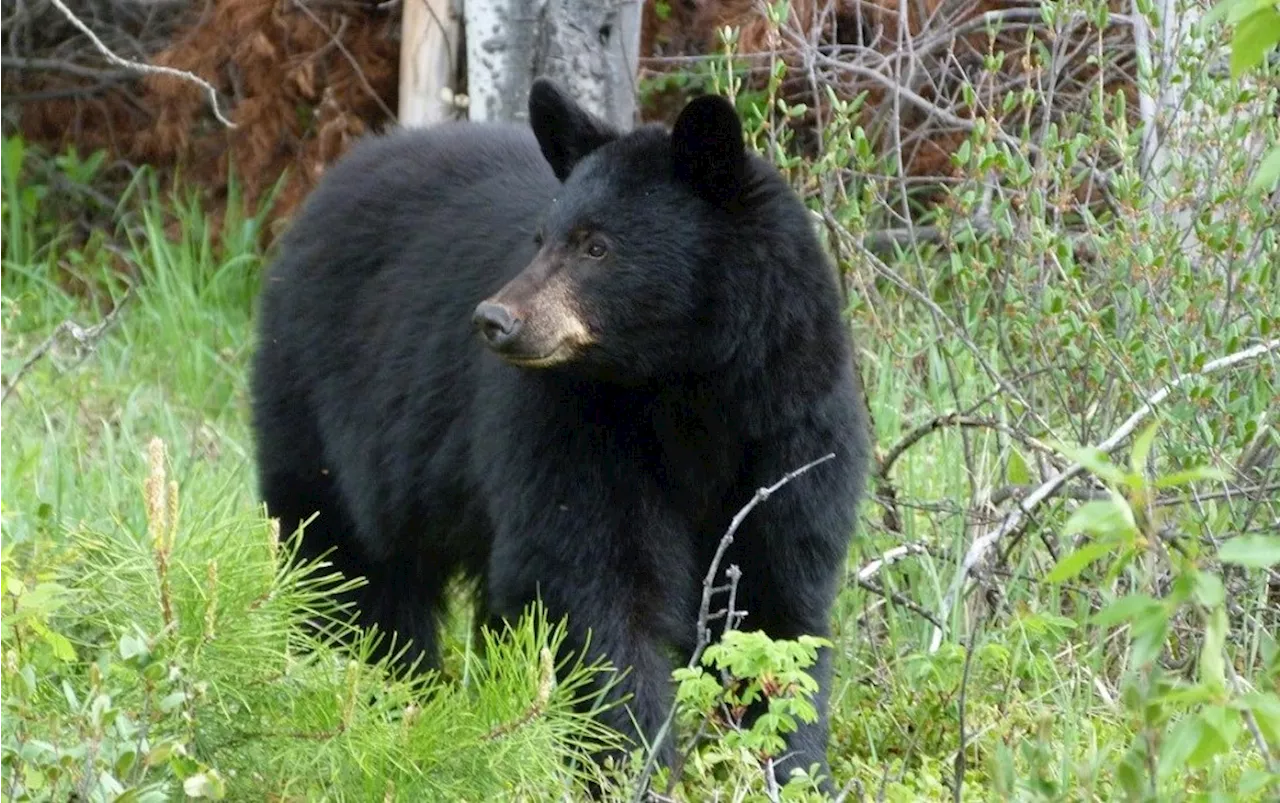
(431, 34)
(590, 48)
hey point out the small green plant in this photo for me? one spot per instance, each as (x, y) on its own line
(169, 659)
(745, 671)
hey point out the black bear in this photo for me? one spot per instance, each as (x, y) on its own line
(559, 361)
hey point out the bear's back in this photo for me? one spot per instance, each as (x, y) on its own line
(388, 188)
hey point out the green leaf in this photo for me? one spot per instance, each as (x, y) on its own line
(1142, 448)
(62, 649)
(1268, 173)
(159, 754)
(1212, 667)
(1148, 633)
(1266, 712)
(1179, 744)
(1197, 474)
(131, 647)
(1102, 518)
(12, 156)
(1254, 781)
(172, 700)
(1222, 726)
(1072, 564)
(205, 784)
(1251, 551)
(1125, 609)
(1097, 462)
(1254, 36)
(1018, 473)
(1233, 10)
(1209, 591)
(1131, 774)
(1188, 697)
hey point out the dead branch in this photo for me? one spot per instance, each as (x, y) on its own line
(955, 419)
(898, 599)
(889, 558)
(58, 65)
(959, 331)
(144, 69)
(704, 609)
(864, 581)
(957, 786)
(1025, 507)
(84, 337)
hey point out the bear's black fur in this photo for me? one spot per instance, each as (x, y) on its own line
(660, 336)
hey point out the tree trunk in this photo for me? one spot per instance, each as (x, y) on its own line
(429, 66)
(590, 48)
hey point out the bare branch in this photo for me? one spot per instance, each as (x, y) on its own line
(58, 65)
(957, 786)
(704, 609)
(889, 558)
(955, 419)
(145, 69)
(899, 599)
(85, 337)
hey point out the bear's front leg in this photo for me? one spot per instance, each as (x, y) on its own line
(616, 569)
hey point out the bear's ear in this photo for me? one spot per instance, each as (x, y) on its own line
(707, 148)
(566, 132)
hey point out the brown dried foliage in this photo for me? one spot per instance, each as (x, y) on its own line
(298, 100)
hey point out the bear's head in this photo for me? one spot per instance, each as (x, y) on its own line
(645, 256)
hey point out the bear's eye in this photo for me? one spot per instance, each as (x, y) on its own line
(596, 250)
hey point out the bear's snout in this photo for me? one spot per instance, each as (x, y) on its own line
(496, 323)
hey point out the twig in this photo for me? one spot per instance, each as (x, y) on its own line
(1001, 495)
(889, 558)
(958, 781)
(955, 419)
(704, 610)
(355, 65)
(771, 781)
(899, 599)
(1045, 491)
(1146, 103)
(139, 67)
(978, 354)
(850, 787)
(84, 337)
(58, 65)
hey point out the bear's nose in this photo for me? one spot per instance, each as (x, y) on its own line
(496, 323)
